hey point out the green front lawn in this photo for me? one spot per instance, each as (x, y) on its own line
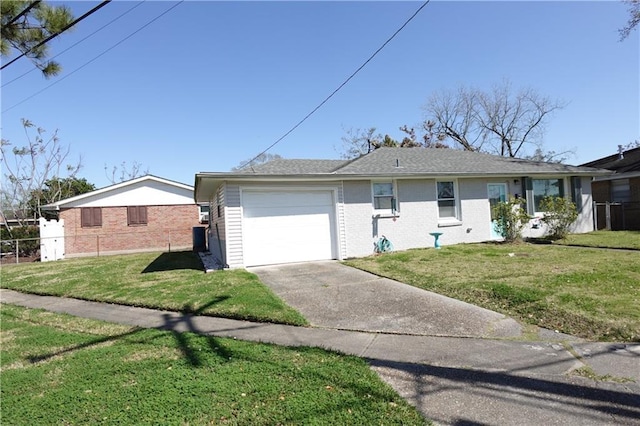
(169, 281)
(586, 292)
(608, 239)
(61, 370)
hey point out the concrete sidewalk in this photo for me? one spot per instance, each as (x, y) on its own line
(451, 380)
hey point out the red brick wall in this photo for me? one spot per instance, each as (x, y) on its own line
(168, 227)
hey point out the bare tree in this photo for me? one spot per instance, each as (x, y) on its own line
(498, 121)
(511, 121)
(454, 115)
(260, 159)
(634, 18)
(358, 142)
(28, 168)
(124, 172)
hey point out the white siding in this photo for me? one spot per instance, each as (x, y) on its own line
(233, 214)
(217, 227)
(342, 229)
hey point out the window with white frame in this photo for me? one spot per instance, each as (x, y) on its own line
(384, 197)
(546, 188)
(447, 200)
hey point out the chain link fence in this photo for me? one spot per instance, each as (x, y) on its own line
(15, 251)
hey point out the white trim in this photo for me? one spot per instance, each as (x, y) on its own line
(457, 219)
(394, 195)
(62, 203)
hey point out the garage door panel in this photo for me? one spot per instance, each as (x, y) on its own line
(282, 227)
(279, 211)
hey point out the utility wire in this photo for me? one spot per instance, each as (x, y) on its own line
(92, 11)
(24, 12)
(96, 57)
(343, 83)
(76, 43)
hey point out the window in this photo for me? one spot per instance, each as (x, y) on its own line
(204, 214)
(620, 191)
(136, 215)
(546, 188)
(383, 197)
(447, 202)
(90, 217)
(576, 192)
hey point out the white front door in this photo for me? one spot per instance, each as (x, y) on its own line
(497, 192)
(281, 226)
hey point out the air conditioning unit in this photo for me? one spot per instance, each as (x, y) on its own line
(204, 217)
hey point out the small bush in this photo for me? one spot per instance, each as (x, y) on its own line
(511, 218)
(29, 243)
(559, 214)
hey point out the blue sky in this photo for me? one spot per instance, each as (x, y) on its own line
(211, 84)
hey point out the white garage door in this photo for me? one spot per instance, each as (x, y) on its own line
(287, 226)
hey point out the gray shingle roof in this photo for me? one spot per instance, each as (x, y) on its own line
(630, 162)
(417, 161)
(283, 166)
(433, 161)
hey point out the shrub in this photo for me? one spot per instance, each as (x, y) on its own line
(559, 214)
(29, 240)
(511, 218)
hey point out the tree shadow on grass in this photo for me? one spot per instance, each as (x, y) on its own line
(177, 324)
(173, 261)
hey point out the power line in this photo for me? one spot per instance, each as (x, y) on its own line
(96, 57)
(77, 43)
(92, 11)
(343, 83)
(24, 12)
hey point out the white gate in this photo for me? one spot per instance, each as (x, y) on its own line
(51, 239)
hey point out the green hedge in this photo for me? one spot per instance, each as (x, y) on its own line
(29, 236)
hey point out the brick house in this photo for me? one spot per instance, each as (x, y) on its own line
(618, 193)
(143, 214)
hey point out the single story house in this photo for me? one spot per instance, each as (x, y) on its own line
(147, 213)
(618, 194)
(301, 210)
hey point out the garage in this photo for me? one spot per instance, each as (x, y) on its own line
(288, 226)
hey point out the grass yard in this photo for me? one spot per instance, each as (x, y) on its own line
(611, 239)
(58, 369)
(170, 281)
(592, 293)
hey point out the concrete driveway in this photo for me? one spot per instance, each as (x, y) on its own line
(332, 295)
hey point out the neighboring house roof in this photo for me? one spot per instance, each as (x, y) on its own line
(102, 193)
(624, 162)
(392, 162)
